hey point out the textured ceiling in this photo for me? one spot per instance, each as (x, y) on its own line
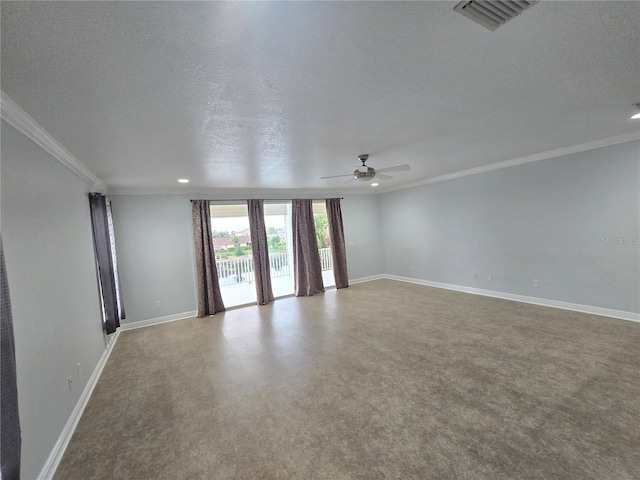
(274, 95)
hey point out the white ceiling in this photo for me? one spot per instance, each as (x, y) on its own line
(274, 95)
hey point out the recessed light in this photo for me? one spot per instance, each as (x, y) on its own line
(375, 184)
(183, 180)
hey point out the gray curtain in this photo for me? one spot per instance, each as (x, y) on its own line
(209, 296)
(112, 245)
(336, 237)
(306, 257)
(9, 421)
(260, 249)
(104, 260)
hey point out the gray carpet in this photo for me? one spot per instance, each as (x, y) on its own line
(381, 380)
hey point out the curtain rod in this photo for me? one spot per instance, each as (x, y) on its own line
(265, 199)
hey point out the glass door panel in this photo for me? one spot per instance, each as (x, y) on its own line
(232, 246)
(277, 220)
(324, 242)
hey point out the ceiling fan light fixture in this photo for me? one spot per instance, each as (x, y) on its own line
(364, 176)
(636, 116)
(369, 173)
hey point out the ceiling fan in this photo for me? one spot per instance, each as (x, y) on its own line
(368, 173)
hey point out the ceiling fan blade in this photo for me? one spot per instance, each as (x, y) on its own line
(382, 176)
(397, 168)
(336, 176)
(350, 180)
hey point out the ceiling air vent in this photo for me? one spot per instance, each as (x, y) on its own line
(493, 14)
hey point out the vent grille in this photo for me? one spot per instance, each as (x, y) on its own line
(493, 14)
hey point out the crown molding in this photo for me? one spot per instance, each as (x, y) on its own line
(25, 124)
(15, 116)
(238, 194)
(558, 152)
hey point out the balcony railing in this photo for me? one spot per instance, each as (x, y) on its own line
(240, 269)
(325, 258)
(279, 264)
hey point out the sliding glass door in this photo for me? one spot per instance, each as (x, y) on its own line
(277, 217)
(232, 245)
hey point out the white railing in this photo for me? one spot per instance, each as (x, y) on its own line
(325, 258)
(279, 262)
(240, 269)
(235, 270)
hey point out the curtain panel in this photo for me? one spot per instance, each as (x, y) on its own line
(306, 258)
(114, 260)
(209, 296)
(336, 237)
(104, 259)
(11, 438)
(260, 249)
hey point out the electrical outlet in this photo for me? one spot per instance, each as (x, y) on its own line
(79, 370)
(536, 283)
(70, 383)
(157, 304)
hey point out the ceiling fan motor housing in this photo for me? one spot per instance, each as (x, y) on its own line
(364, 176)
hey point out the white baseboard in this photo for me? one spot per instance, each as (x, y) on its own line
(366, 279)
(158, 320)
(605, 312)
(50, 466)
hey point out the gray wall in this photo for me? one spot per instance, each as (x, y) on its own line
(545, 220)
(48, 246)
(154, 243)
(361, 221)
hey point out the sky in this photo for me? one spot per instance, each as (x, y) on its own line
(236, 224)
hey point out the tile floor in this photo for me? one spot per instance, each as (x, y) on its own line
(380, 380)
